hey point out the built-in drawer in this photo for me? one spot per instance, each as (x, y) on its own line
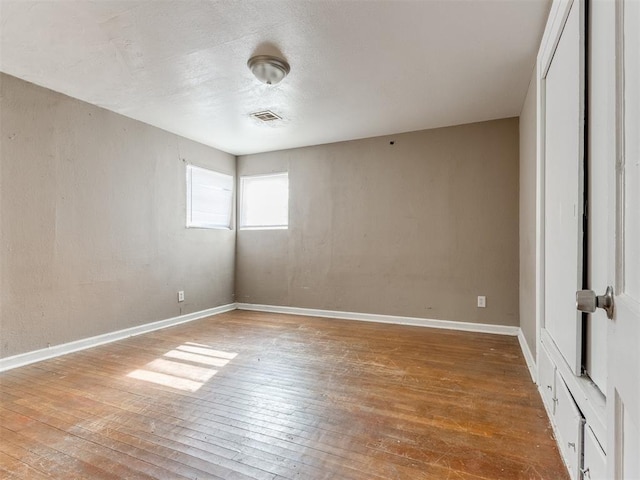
(595, 460)
(547, 380)
(569, 428)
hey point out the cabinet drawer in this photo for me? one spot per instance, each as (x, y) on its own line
(569, 428)
(595, 461)
(547, 380)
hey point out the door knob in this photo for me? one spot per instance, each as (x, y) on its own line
(587, 301)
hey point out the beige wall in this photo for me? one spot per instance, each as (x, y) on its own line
(93, 235)
(528, 216)
(419, 228)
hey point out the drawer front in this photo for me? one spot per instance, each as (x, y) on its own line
(595, 461)
(546, 380)
(569, 428)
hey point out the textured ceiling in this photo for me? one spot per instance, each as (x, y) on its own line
(358, 68)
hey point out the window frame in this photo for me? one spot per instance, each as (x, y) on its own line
(228, 225)
(241, 205)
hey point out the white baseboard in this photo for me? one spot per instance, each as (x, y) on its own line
(57, 350)
(528, 357)
(371, 317)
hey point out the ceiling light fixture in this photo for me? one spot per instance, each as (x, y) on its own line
(269, 69)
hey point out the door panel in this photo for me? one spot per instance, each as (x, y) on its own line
(624, 330)
(563, 205)
(631, 171)
(595, 461)
(547, 380)
(601, 144)
(569, 423)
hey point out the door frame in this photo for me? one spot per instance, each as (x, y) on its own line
(587, 396)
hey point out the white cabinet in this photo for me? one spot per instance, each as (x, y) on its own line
(565, 417)
(569, 428)
(595, 461)
(547, 381)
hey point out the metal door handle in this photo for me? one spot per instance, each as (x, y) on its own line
(587, 301)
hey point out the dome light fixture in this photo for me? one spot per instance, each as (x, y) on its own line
(269, 69)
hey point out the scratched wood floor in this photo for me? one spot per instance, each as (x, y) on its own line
(247, 395)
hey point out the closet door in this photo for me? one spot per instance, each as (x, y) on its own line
(562, 94)
(623, 382)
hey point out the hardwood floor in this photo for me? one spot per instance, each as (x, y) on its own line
(247, 395)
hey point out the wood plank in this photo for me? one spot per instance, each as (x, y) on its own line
(11, 467)
(263, 396)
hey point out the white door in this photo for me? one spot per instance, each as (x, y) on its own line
(613, 247)
(623, 397)
(562, 72)
(601, 172)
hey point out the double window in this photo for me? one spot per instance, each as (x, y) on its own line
(264, 200)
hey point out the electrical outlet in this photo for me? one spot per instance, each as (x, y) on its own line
(482, 301)
(181, 296)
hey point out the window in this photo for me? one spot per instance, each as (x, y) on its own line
(209, 198)
(264, 201)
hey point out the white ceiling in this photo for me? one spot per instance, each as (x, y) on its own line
(358, 68)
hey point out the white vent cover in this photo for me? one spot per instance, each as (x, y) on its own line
(266, 116)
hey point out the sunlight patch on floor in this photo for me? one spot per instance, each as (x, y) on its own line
(187, 367)
(197, 358)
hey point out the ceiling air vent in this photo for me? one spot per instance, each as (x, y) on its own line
(266, 116)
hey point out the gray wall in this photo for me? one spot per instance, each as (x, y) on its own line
(93, 235)
(419, 228)
(528, 151)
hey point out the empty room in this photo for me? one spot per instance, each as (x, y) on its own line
(320, 239)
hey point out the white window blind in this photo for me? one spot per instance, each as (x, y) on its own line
(209, 198)
(264, 201)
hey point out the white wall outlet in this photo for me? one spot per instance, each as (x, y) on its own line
(181, 296)
(482, 301)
